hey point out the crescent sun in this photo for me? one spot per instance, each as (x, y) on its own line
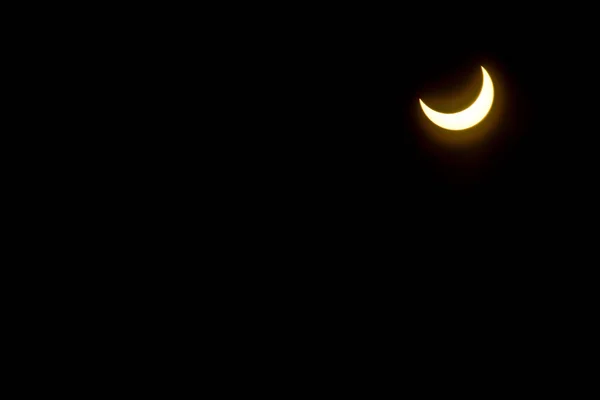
(468, 117)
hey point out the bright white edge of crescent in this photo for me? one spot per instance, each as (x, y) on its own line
(468, 117)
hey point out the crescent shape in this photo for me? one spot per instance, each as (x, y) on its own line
(468, 117)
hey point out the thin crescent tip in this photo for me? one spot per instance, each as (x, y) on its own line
(484, 72)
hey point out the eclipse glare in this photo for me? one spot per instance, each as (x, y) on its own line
(468, 117)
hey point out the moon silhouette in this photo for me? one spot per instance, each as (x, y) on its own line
(468, 117)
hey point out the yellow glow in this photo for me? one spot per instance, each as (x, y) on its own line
(468, 117)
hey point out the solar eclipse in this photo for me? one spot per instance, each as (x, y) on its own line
(468, 117)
